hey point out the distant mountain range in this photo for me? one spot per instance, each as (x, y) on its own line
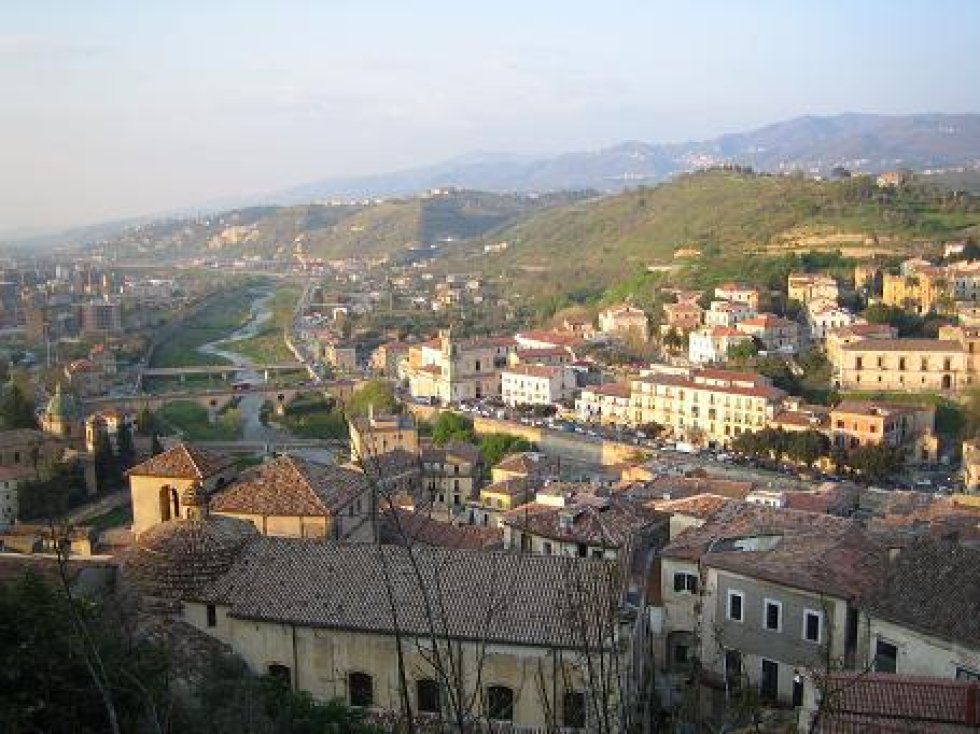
(813, 145)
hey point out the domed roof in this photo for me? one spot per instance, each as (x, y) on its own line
(60, 405)
(177, 558)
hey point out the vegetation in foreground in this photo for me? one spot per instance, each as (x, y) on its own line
(190, 420)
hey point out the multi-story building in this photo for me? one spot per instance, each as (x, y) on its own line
(448, 370)
(10, 479)
(759, 593)
(451, 476)
(728, 313)
(964, 277)
(739, 292)
(536, 384)
(375, 435)
(806, 287)
(836, 338)
(908, 365)
(609, 403)
(683, 316)
(711, 344)
(624, 321)
(775, 332)
(386, 358)
(856, 423)
(823, 317)
(100, 317)
(713, 405)
(920, 288)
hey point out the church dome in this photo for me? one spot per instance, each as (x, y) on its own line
(176, 559)
(60, 405)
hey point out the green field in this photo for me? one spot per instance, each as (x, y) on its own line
(191, 420)
(114, 518)
(225, 312)
(269, 346)
(314, 416)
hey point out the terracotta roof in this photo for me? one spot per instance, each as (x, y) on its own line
(675, 488)
(402, 526)
(452, 450)
(533, 370)
(803, 550)
(875, 407)
(933, 586)
(176, 559)
(611, 389)
(604, 521)
(515, 487)
(731, 387)
(702, 506)
(183, 461)
(535, 600)
(768, 321)
(291, 487)
(903, 345)
(528, 463)
(886, 704)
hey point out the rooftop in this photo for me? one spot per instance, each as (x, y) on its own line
(402, 526)
(903, 345)
(803, 550)
(608, 522)
(291, 487)
(496, 597)
(183, 461)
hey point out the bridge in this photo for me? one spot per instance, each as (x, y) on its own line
(223, 370)
(217, 399)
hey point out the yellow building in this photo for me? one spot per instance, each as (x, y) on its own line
(971, 465)
(292, 497)
(922, 290)
(447, 370)
(838, 337)
(908, 365)
(376, 435)
(858, 423)
(624, 321)
(807, 287)
(451, 475)
(709, 405)
(156, 486)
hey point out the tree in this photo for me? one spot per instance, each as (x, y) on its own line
(495, 446)
(376, 394)
(107, 474)
(743, 351)
(452, 427)
(50, 497)
(155, 446)
(16, 411)
(807, 446)
(125, 452)
(875, 462)
(145, 422)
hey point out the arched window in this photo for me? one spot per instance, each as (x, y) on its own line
(427, 696)
(500, 703)
(573, 710)
(360, 687)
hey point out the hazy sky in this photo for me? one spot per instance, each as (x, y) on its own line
(111, 109)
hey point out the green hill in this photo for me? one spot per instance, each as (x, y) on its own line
(726, 215)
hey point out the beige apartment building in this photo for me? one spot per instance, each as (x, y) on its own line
(807, 287)
(713, 405)
(535, 384)
(857, 423)
(624, 320)
(907, 365)
(448, 370)
(738, 292)
(609, 403)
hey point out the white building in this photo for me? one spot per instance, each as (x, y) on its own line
(711, 344)
(10, 479)
(609, 403)
(728, 313)
(536, 384)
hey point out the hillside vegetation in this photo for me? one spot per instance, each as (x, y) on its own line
(723, 213)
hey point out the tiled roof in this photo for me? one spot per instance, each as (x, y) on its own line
(402, 526)
(609, 523)
(526, 462)
(611, 389)
(452, 450)
(291, 487)
(510, 487)
(860, 703)
(933, 586)
(533, 370)
(903, 345)
(481, 595)
(675, 488)
(176, 559)
(869, 407)
(768, 321)
(810, 551)
(702, 506)
(183, 461)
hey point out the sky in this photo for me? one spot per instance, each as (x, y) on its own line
(119, 109)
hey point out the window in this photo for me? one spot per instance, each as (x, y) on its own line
(546, 548)
(500, 703)
(573, 710)
(812, 622)
(769, 685)
(427, 696)
(212, 615)
(279, 673)
(773, 616)
(681, 655)
(685, 582)
(733, 667)
(735, 603)
(597, 552)
(360, 687)
(971, 676)
(886, 657)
